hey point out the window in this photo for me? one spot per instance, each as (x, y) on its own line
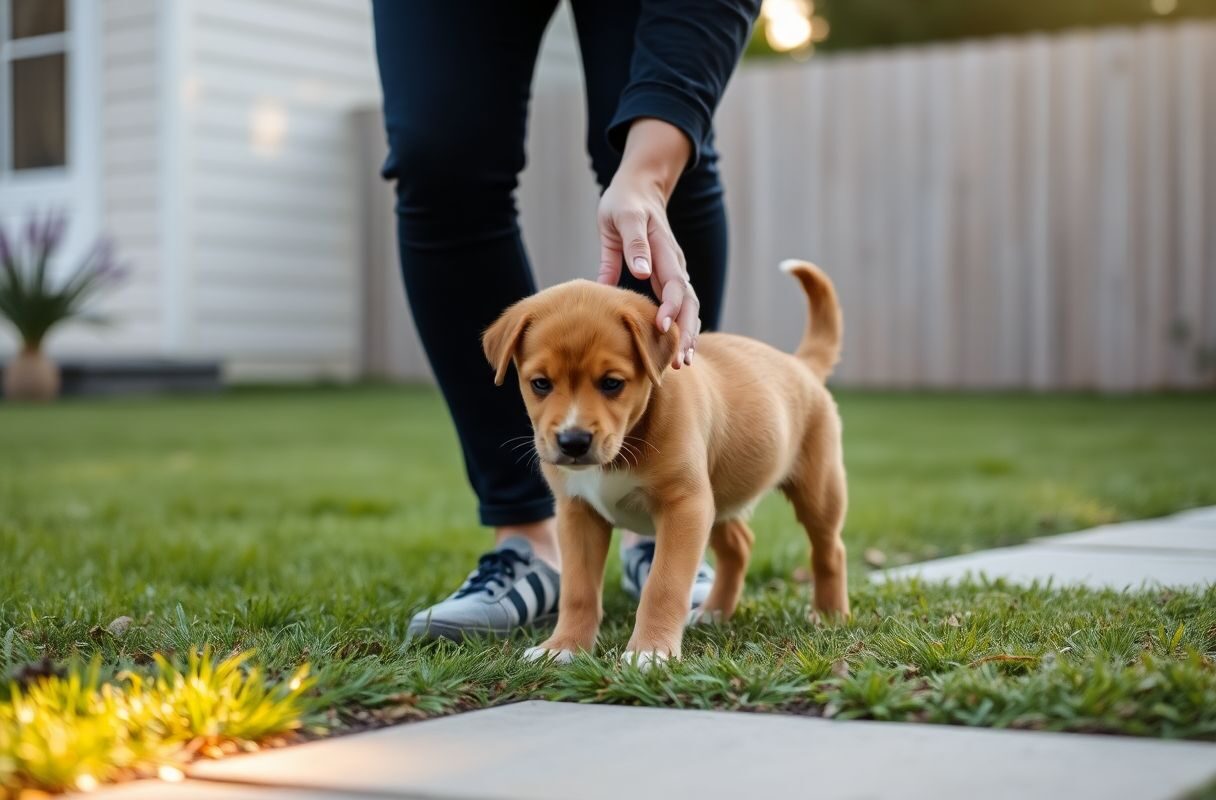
(33, 76)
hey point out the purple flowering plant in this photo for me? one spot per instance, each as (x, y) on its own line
(30, 297)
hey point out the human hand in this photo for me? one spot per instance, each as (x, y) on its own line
(633, 228)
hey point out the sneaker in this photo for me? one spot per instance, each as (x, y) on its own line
(510, 588)
(636, 562)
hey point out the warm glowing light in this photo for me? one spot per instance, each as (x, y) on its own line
(86, 782)
(295, 684)
(170, 774)
(268, 127)
(773, 9)
(1164, 7)
(819, 29)
(787, 24)
(788, 33)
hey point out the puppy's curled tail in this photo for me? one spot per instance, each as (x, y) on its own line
(820, 345)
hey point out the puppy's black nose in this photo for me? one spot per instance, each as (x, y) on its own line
(574, 442)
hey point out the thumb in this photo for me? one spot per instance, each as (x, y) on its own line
(632, 229)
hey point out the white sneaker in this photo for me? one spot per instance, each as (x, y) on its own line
(511, 588)
(636, 562)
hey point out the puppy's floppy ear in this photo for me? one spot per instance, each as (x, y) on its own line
(501, 339)
(655, 349)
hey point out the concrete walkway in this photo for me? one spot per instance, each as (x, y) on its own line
(1171, 551)
(539, 750)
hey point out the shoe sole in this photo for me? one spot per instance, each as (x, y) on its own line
(433, 631)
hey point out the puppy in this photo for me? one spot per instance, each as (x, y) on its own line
(683, 455)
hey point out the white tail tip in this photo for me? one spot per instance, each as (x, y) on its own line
(790, 264)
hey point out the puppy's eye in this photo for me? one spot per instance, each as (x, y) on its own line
(542, 385)
(611, 385)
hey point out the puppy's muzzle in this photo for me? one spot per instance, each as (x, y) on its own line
(574, 443)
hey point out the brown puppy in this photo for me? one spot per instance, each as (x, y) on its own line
(682, 455)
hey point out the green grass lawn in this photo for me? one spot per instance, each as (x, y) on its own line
(308, 525)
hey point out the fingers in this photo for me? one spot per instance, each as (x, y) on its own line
(643, 241)
(680, 302)
(689, 321)
(610, 262)
(671, 300)
(636, 243)
(623, 236)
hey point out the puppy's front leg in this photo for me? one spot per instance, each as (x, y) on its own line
(583, 536)
(682, 529)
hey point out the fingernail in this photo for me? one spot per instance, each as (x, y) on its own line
(666, 324)
(688, 357)
(641, 265)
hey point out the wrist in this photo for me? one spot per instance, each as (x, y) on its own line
(656, 153)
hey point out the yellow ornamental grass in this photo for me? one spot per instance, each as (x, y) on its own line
(76, 732)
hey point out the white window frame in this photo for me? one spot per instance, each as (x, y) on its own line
(48, 44)
(75, 187)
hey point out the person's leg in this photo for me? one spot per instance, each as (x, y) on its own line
(696, 210)
(456, 77)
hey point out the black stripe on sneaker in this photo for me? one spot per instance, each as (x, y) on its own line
(521, 608)
(539, 589)
(637, 573)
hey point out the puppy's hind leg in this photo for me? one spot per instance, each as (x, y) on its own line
(820, 499)
(731, 542)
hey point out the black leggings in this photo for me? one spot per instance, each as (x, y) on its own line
(456, 76)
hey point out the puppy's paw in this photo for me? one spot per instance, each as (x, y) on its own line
(545, 654)
(644, 659)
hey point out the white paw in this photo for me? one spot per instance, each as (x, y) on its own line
(643, 659)
(545, 654)
(702, 616)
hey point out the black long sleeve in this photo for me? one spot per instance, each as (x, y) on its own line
(684, 53)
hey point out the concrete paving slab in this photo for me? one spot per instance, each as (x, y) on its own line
(1165, 536)
(540, 750)
(1093, 567)
(210, 790)
(1198, 516)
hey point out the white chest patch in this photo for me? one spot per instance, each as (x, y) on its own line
(615, 494)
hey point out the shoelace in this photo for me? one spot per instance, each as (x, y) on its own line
(495, 567)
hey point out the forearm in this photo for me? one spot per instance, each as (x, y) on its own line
(684, 54)
(656, 153)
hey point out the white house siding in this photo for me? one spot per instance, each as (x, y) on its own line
(269, 229)
(131, 154)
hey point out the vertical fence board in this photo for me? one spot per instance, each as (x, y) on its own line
(1193, 218)
(1038, 160)
(999, 189)
(1155, 257)
(1207, 367)
(939, 331)
(1114, 187)
(852, 217)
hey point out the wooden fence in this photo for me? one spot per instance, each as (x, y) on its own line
(1022, 213)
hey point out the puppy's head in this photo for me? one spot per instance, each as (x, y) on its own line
(588, 357)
